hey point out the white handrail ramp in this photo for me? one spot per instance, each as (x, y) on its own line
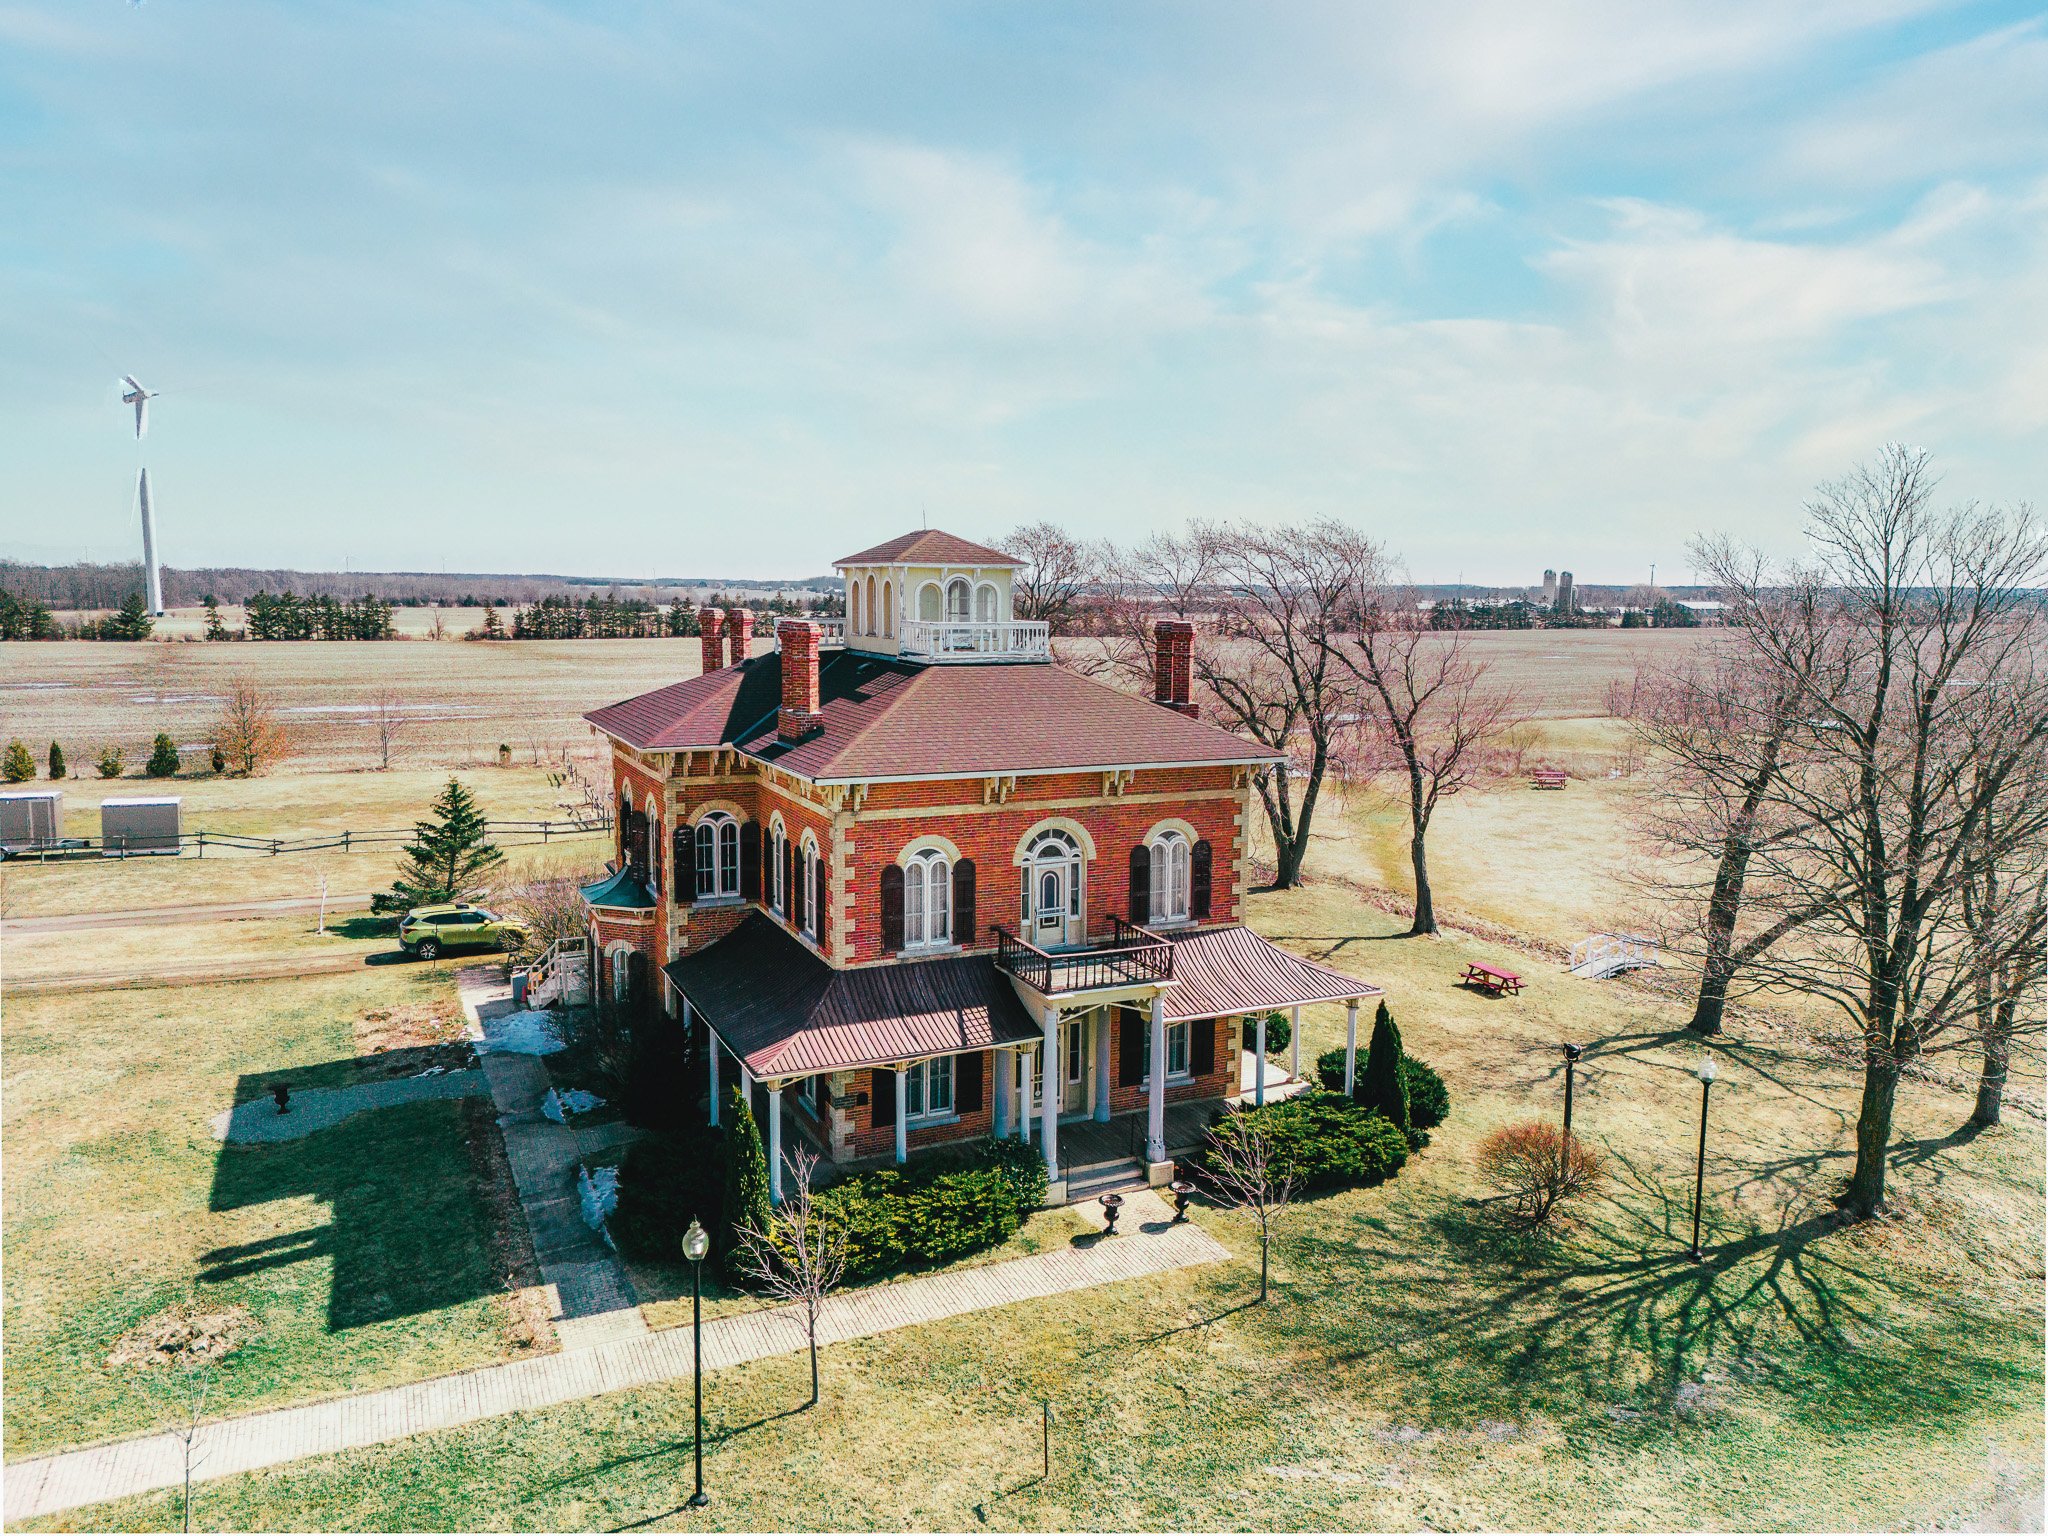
(1609, 954)
(560, 975)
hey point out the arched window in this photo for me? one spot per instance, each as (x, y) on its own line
(985, 604)
(1052, 886)
(807, 871)
(888, 611)
(718, 856)
(778, 868)
(930, 605)
(927, 900)
(853, 606)
(957, 598)
(871, 602)
(1170, 856)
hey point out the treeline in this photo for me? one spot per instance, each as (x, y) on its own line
(611, 617)
(287, 616)
(85, 584)
(31, 619)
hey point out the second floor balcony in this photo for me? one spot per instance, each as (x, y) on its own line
(1132, 956)
(949, 640)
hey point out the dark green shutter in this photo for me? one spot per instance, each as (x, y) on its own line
(892, 908)
(1201, 1046)
(1140, 905)
(963, 902)
(1204, 861)
(967, 1072)
(882, 1097)
(1131, 1033)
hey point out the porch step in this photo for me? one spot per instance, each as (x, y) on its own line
(1101, 1178)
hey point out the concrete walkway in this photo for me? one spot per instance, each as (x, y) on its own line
(594, 1301)
(1149, 1243)
(315, 1109)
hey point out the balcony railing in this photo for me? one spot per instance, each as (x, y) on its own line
(1132, 956)
(1010, 640)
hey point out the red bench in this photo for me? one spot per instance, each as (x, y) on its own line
(1546, 778)
(1491, 980)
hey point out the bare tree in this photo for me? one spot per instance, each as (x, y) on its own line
(178, 1390)
(1430, 700)
(388, 721)
(1057, 569)
(1537, 1169)
(797, 1256)
(248, 732)
(1245, 1171)
(1271, 666)
(548, 900)
(1716, 734)
(1165, 577)
(1924, 705)
(2005, 910)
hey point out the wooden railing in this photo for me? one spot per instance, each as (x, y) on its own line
(1133, 955)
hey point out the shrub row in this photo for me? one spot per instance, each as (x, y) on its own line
(936, 1210)
(1429, 1101)
(1321, 1140)
(664, 1181)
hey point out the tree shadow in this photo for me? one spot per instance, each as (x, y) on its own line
(409, 1229)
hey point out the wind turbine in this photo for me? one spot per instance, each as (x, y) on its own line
(139, 397)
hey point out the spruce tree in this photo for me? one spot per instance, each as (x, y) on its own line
(746, 1175)
(163, 758)
(132, 621)
(215, 629)
(57, 769)
(1382, 1086)
(19, 766)
(448, 855)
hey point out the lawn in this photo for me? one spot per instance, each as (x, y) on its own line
(1419, 1365)
(296, 801)
(364, 1254)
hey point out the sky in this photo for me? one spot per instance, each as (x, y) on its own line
(677, 289)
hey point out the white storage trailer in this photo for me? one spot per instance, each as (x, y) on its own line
(29, 819)
(139, 824)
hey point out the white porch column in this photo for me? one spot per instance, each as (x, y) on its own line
(902, 1103)
(711, 1041)
(1049, 1095)
(746, 1081)
(1027, 1094)
(1004, 1065)
(1350, 1046)
(1103, 1030)
(1294, 1044)
(1155, 1107)
(775, 1143)
(1259, 1065)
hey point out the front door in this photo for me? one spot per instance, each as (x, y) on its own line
(1057, 920)
(1077, 1063)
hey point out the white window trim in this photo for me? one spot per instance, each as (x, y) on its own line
(921, 1070)
(717, 821)
(1184, 1074)
(919, 868)
(1163, 847)
(807, 861)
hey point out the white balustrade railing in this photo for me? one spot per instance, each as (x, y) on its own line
(1009, 640)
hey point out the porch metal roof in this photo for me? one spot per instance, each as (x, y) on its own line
(1220, 971)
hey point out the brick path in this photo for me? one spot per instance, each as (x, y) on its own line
(1148, 1244)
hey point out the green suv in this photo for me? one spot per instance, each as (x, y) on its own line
(426, 931)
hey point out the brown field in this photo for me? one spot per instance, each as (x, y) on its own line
(466, 699)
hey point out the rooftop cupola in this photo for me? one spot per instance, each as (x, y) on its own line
(934, 597)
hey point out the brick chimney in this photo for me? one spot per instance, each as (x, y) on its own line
(800, 706)
(711, 631)
(739, 632)
(1173, 666)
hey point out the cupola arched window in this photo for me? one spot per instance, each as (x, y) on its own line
(958, 595)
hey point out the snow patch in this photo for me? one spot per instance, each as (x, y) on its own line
(599, 1188)
(581, 1101)
(530, 1032)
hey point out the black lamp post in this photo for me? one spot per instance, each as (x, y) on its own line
(697, 1243)
(1572, 1053)
(1699, 1188)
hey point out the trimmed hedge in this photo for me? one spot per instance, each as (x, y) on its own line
(936, 1210)
(1321, 1140)
(1429, 1101)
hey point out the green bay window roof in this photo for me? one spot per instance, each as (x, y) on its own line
(623, 890)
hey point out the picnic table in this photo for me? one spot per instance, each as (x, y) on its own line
(1491, 979)
(1546, 778)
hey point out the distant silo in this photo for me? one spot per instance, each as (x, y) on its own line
(1564, 603)
(1549, 587)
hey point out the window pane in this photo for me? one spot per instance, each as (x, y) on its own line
(939, 906)
(913, 906)
(706, 857)
(1176, 1048)
(941, 1094)
(1074, 889)
(729, 858)
(913, 1090)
